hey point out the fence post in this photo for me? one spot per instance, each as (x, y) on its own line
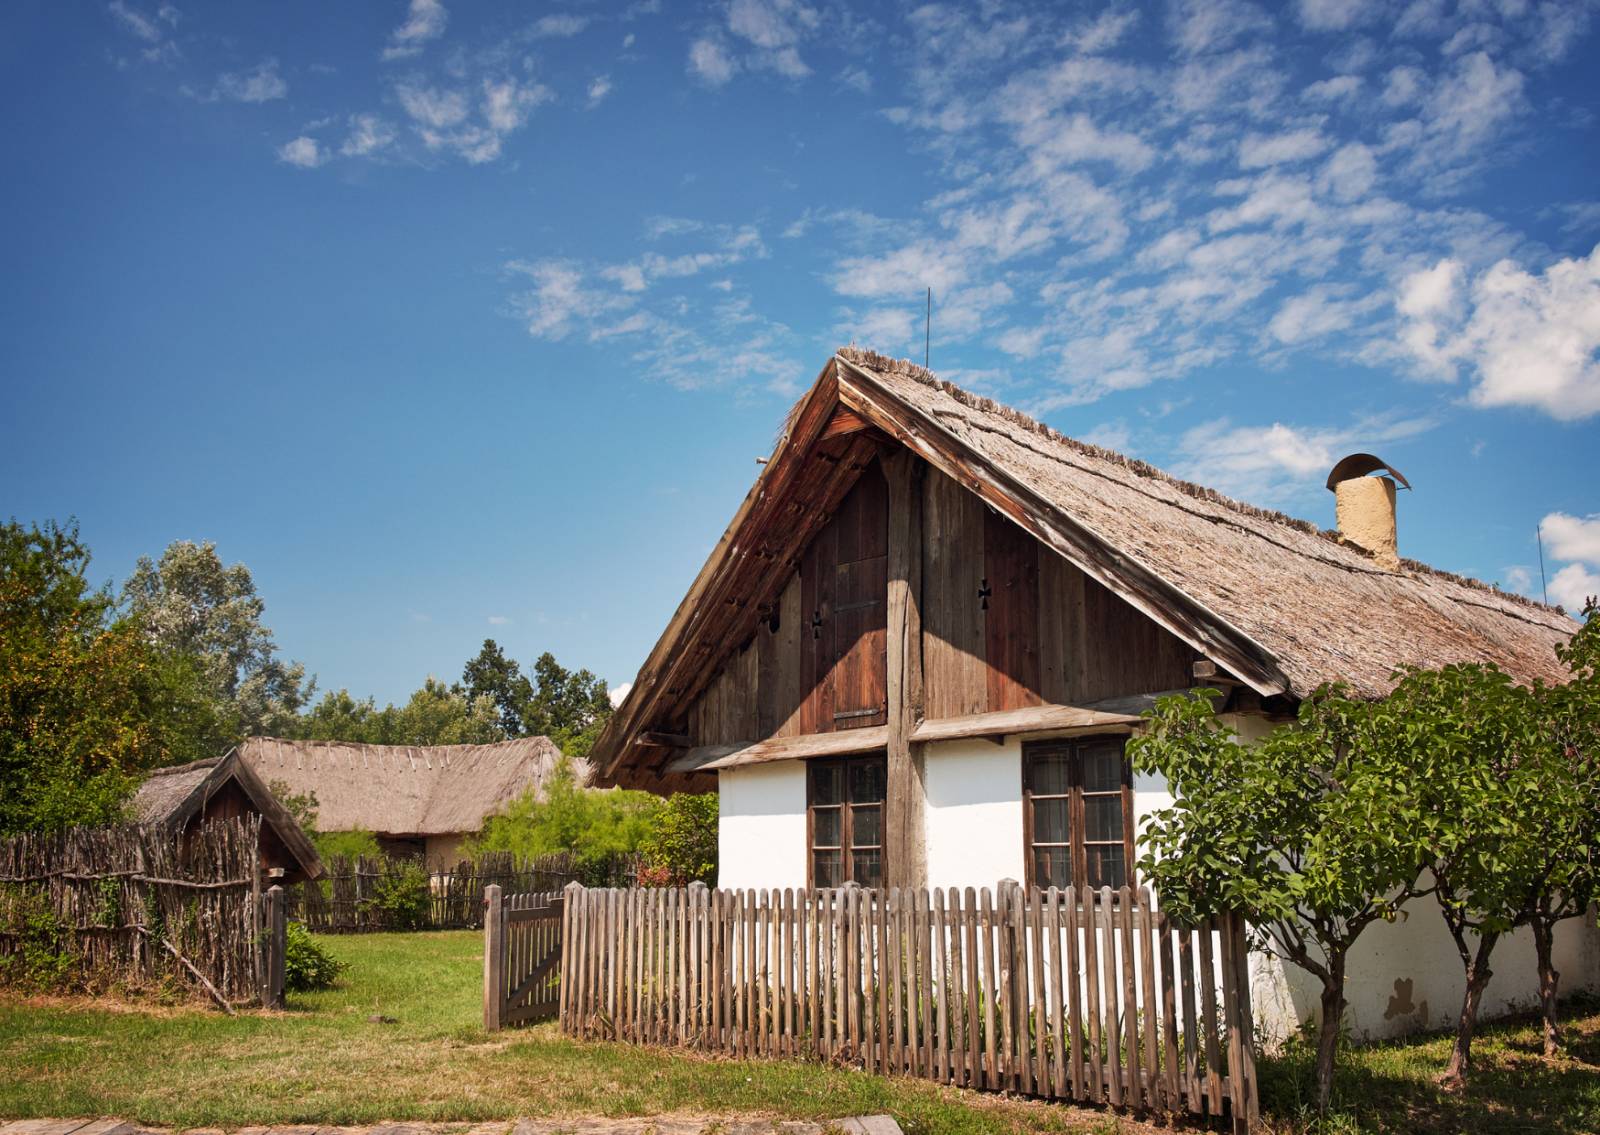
(494, 958)
(277, 922)
(1247, 1092)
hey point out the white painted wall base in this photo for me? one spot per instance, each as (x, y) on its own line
(1404, 977)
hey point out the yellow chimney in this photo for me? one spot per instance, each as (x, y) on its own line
(1364, 506)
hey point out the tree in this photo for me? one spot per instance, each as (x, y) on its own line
(1571, 834)
(190, 604)
(436, 714)
(590, 823)
(569, 707)
(492, 674)
(1310, 832)
(87, 701)
(1472, 742)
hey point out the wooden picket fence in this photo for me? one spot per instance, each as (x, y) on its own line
(1094, 996)
(521, 957)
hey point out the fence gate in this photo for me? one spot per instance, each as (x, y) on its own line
(521, 957)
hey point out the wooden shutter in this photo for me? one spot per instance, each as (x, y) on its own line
(844, 585)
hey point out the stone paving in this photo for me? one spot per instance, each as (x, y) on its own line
(651, 1125)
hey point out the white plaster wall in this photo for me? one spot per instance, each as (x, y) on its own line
(761, 832)
(973, 823)
(1405, 977)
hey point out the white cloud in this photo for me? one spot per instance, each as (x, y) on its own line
(1573, 585)
(1210, 25)
(368, 135)
(1317, 313)
(618, 693)
(1350, 172)
(1333, 15)
(559, 299)
(443, 118)
(262, 83)
(710, 62)
(599, 88)
(425, 22)
(150, 28)
(1279, 461)
(1257, 151)
(1528, 340)
(303, 152)
(498, 621)
(432, 108)
(1572, 537)
(1104, 32)
(1336, 89)
(562, 25)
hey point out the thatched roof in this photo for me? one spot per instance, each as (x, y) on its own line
(173, 796)
(1320, 609)
(1276, 602)
(407, 790)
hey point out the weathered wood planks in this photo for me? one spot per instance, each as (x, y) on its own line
(1082, 995)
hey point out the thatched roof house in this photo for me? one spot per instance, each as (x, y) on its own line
(222, 788)
(418, 799)
(1274, 602)
(917, 653)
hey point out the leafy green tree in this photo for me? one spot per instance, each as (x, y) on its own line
(1471, 740)
(1571, 832)
(301, 805)
(440, 715)
(683, 846)
(493, 675)
(436, 714)
(1312, 833)
(591, 823)
(190, 604)
(87, 701)
(570, 707)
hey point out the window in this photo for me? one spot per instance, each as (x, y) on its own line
(844, 816)
(1077, 812)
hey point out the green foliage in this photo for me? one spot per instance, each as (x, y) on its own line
(351, 845)
(400, 897)
(569, 707)
(306, 965)
(87, 701)
(436, 714)
(42, 962)
(1314, 833)
(192, 606)
(683, 846)
(594, 825)
(301, 805)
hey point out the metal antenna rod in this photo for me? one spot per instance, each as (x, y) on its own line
(927, 331)
(1538, 536)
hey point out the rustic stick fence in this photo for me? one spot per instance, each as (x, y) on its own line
(344, 900)
(134, 906)
(1093, 996)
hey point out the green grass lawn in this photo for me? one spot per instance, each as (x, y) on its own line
(326, 1061)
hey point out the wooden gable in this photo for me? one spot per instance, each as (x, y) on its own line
(1006, 623)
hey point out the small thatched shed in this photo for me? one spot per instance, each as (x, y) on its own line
(417, 799)
(224, 788)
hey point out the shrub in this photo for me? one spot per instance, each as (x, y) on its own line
(400, 897)
(683, 847)
(306, 965)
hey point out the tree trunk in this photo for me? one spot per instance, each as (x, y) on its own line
(1549, 982)
(1478, 975)
(1328, 1033)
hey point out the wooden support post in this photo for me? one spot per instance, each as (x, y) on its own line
(906, 862)
(277, 927)
(494, 958)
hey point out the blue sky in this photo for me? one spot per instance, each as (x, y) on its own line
(457, 320)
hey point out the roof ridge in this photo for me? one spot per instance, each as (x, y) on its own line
(188, 766)
(904, 368)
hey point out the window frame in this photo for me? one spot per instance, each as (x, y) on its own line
(846, 806)
(1077, 844)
